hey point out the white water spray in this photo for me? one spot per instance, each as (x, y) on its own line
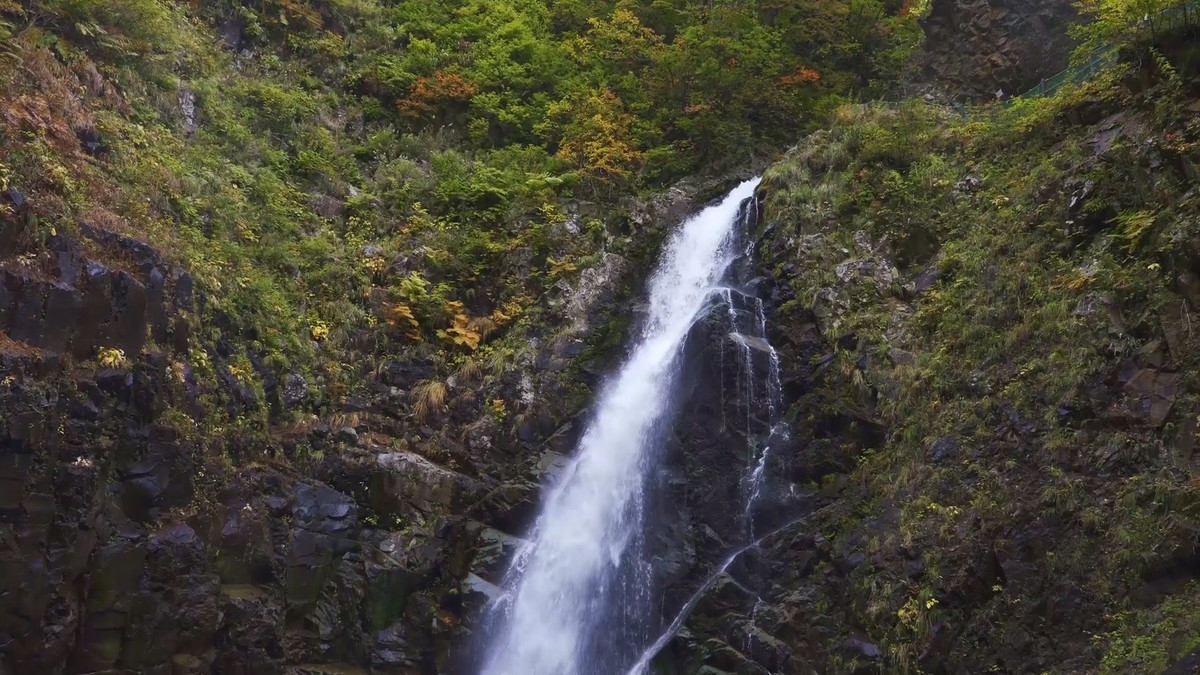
(580, 569)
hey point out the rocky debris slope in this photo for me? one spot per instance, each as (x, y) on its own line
(976, 48)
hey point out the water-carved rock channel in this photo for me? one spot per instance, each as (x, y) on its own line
(586, 591)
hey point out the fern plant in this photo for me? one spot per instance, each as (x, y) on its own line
(1133, 227)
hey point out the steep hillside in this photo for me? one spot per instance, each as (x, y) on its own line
(301, 302)
(987, 323)
(298, 300)
(977, 48)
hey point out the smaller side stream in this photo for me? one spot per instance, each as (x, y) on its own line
(757, 400)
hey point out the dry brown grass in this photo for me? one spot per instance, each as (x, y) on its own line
(10, 346)
(470, 371)
(43, 98)
(483, 326)
(428, 398)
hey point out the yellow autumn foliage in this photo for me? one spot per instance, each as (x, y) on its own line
(400, 315)
(112, 358)
(461, 332)
(598, 138)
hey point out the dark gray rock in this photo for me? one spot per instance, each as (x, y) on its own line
(25, 318)
(391, 650)
(926, 280)
(1188, 665)
(126, 327)
(89, 138)
(156, 309)
(14, 231)
(943, 449)
(405, 374)
(861, 648)
(67, 262)
(322, 509)
(91, 326)
(976, 48)
(183, 290)
(62, 308)
(15, 197)
(327, 206)
(245, 549)
(295, 390)
(347, 435)
(405, 482)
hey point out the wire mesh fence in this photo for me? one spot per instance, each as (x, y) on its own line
(1178, 17)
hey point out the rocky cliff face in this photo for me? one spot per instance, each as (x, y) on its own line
(976, 48)
(987, 370)
(151, 522)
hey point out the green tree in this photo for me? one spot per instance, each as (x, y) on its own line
(1123, 22)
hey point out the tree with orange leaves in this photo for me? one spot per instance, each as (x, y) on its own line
(802, 76)
(430, 96)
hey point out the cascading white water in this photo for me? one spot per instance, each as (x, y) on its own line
(762, 414)
(565, 582)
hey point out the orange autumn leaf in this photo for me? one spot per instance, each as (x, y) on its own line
(427, 93)
(802, 76)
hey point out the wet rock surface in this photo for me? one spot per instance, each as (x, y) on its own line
(361, 540)
(367, 540)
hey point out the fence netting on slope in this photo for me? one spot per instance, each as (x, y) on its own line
(1179, 17)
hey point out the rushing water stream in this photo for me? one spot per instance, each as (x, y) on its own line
(578, 596)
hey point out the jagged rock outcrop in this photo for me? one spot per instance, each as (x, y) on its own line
(65, 303)
(976, 48)
(762, 613)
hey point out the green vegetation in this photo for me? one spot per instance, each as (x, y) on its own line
(1129, 23)
(415, 178)
(1039, 393)
(399, 173)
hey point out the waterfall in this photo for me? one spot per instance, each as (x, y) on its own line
(577, 597)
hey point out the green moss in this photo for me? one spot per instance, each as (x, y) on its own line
(1036, 306)
(1152, 639)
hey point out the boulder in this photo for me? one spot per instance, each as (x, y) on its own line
(324, 523)
(407, 483)
(404, 374)
(295, 390)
